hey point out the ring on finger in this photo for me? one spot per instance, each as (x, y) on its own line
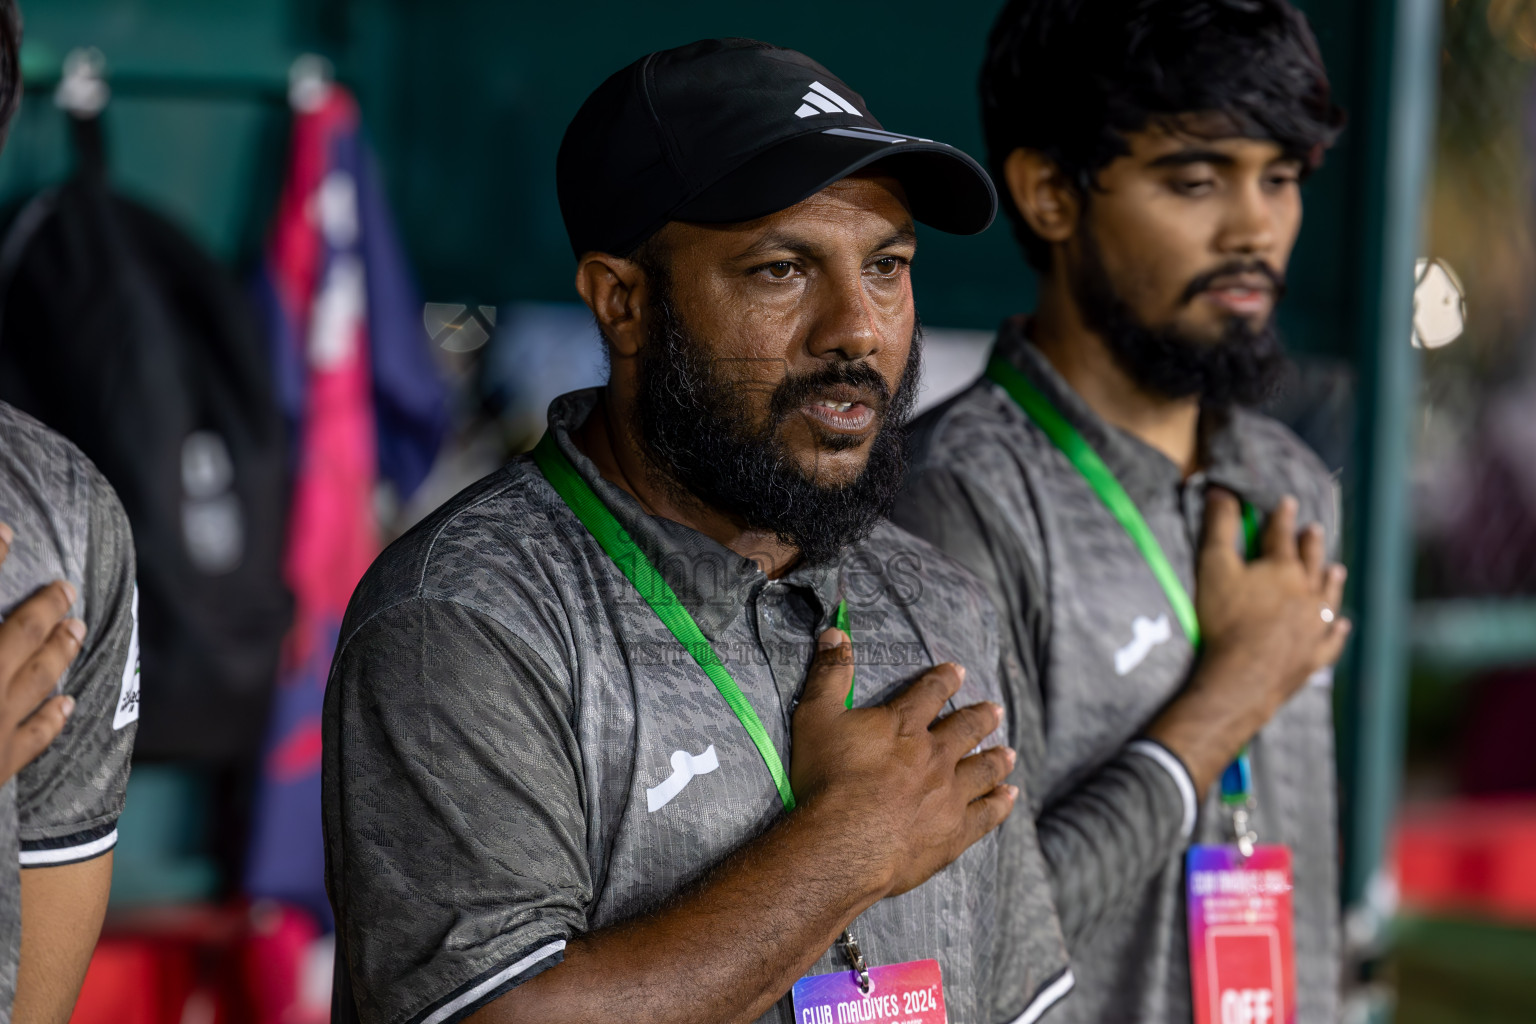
(1327, 614)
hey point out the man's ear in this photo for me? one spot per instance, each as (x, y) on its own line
(614, 289)
(1049, 203)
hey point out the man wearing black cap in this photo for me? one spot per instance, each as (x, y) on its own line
(597, 744)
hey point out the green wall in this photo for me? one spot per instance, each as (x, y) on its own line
(466, 101)
(204, 156)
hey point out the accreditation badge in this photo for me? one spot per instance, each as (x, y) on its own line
(1242, 962)
(909, 993)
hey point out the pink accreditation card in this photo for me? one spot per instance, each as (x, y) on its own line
(1242, 964)
(909, 993)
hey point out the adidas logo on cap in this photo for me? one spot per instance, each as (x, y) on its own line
(821, 100)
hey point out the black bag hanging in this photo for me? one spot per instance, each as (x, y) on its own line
(119, 332)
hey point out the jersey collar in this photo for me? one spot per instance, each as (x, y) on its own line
(1147, 475)
(713, 582)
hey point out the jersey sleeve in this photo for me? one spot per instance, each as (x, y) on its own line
(69, 798)
(453, 796)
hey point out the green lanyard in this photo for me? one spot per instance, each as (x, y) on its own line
(1103, 482)
(637, 568)
(1236, 781)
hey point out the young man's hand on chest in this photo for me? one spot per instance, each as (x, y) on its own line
(1267, 625)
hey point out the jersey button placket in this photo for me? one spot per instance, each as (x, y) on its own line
(1192, 505)
(771, 617)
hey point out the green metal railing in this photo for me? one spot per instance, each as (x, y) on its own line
(1396, 118)
(1464, 636)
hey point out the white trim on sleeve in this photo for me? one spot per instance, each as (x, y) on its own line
(69, 854)
(453, 1006)
(1174, 767)
(1048, 997)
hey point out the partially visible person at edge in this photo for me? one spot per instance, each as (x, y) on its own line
(538, 804)
(68, 690)
(1157, 197)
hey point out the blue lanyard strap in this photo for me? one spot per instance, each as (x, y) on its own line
(1237, 778)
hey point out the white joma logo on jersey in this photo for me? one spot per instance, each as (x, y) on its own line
(684, 767)
(128, 699)
(821, 100)
(1147, 635)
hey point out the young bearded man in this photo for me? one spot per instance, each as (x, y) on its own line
(596, 745)
(1152, 152)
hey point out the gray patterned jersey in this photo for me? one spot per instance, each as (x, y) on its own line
(517, 751)
(1101, 651)
(63, 807)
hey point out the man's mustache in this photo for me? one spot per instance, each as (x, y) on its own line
(1234, 268)
(794, 391)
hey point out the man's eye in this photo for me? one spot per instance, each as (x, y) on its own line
(888, 266)
(1283, 180)
(780, 270)
(1194, 186)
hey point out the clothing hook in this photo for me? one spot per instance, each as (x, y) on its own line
(309, 80)
(82, 89)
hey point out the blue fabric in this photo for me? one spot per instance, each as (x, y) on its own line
(409, 397)
(409, 403)
(286, 854)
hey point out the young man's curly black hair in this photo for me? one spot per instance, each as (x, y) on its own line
(1070, 78)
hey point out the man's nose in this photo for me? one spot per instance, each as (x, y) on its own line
(849, 325)
(1249, 225)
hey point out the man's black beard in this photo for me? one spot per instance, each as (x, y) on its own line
(1244, 366)
(697, 427)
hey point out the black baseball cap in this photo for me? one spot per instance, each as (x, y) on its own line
(728, 130)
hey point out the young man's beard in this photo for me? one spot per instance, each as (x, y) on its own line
(698, 429)
(1244, 366)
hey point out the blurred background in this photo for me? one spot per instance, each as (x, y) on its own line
(320, 240)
